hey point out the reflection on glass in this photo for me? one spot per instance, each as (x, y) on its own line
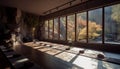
(112, 24)
(50, 29)
(56, 28)
(81, 27)
(95, 26)
(71, 27)
(62, 28)
(46, 29)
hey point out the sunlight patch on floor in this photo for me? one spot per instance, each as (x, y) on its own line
(86, 63)
(44, 49)
(53, 52)
(66, 56)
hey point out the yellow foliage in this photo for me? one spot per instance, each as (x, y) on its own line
(82, 34)
(81, 21)
(93, 30)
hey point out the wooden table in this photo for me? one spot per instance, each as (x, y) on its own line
(55, 56)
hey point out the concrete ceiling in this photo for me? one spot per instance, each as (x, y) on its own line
(38, 6)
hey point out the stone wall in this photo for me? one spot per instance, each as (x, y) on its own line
(15, 27)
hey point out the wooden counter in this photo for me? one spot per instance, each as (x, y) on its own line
(55, 56)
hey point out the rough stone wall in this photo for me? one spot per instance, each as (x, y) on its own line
(5, 24)
(15, 28)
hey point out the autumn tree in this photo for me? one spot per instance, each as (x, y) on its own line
(71, 28)
(116, 16)
(81, 28)
(62, 28)
(94, 30)
(51, 29)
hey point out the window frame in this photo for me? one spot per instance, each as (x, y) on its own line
(97, 46)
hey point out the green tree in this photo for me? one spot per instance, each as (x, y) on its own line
(116, 13)
(32, 22)
(116, 17)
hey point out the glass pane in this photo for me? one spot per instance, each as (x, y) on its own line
(112, 24)
(81, 27)
(95, 26)
(62, 28)
(50, 29)
(71, 27)
(46, 29)
(56, 28)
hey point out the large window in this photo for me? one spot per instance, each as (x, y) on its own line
(95, 26)
(100, 25)
(50, 29)
(112, 24)
(81, 27)
(56, 26)
(62, 28)
(71, 27)
(46, 29)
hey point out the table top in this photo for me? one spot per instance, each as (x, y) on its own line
(87, 60)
